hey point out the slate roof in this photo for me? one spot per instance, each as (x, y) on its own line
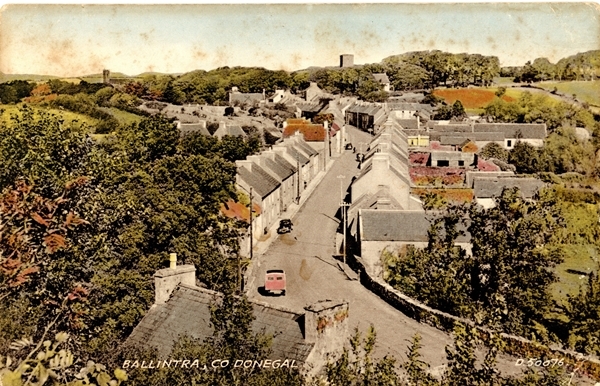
(398, 225)
(188, 128)
(280, 170)
(261, 181)
(284, 163)
(488, 187)
(446, 138)
(310, 107)
(368, 109)
(509, 130)
(297, 155)
(408, 124)
(188, 312)
(245, 97)
(231, 130)
(381, 78)
(407, 106)
(306, 148)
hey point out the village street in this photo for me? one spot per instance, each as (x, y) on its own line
(312, 274)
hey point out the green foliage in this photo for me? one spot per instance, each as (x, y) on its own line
(230, 148)
(493, 150)
(61, 87)
(533, 108)
(416, 368)
(506, 280)
(525, 157)
(12, 92)
(564, 153)
(444, 67)
(356, 366)
(97, 220)
(582, 311)
(53, 364)
(85, 104)
(42, 149)
(456, 111)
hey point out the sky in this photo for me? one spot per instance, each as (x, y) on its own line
(74, 40)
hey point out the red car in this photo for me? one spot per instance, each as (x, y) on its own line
(275, 282)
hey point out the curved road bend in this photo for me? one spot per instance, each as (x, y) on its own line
(312, 274)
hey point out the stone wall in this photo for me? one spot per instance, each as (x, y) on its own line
(514, 345)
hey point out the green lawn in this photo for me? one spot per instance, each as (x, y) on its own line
(500, 81)
(68, 116)
(586, 91)
(579, 259)
(124, 117)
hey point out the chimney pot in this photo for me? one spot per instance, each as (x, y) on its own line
(173, 260)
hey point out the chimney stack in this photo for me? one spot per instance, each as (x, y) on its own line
(326, 325)
(167, 279)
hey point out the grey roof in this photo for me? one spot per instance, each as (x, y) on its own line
(262, 182)
(381, 78)
(399, 225)
(280, 170)
(368, 109)
(491, 136)
(187, 128)
(310, 107)
(488, 187)
(297, 155)
(408, 124)
(245, 97)
(231, 130)
(406, 106)
(283, 162)
(188, 312)
(445, 140)
(514, 130)
(509, 130)
(306, 148)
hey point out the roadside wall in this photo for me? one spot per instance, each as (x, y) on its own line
(514, 345)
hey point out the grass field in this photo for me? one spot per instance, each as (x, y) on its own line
(124, 117)
(66, 115)
(586, 91)
(571, 273)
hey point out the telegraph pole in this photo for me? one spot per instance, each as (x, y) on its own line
(343, 210)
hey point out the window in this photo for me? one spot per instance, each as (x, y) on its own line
(461, 163)
(443, 163)
(279, 278)
(508, 143)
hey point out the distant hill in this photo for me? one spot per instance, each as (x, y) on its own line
(151, 73)
(29, 77)
(112, 75)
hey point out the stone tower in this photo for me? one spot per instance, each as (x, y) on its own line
(346, 60)
(106, 76)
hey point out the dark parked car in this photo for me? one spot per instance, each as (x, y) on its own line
(349, 146)
(285, 226)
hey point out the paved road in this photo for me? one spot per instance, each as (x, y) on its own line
(312, 274)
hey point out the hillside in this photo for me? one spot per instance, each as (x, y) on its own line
(29, 77)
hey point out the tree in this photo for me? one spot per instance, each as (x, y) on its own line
(582, 311)
(493, 150)
(415, 367)
(513, 260)
(525, 157)
(357, 367)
